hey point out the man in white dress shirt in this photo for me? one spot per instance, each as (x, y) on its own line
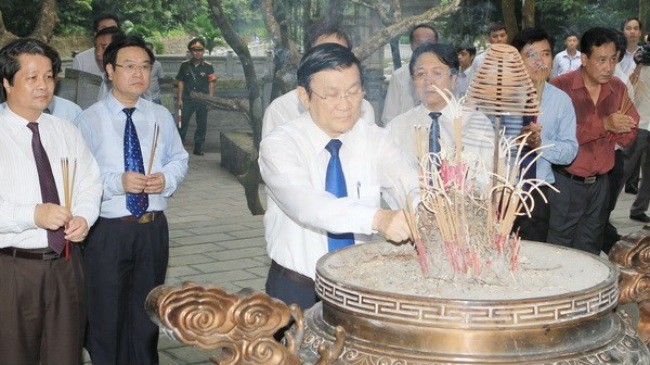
(86, 60)
(569, 59)
(436, 65)
(400, 95)
(288, 106)
(296, 159)
(42, 306)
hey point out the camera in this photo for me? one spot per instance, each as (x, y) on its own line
(642, 55)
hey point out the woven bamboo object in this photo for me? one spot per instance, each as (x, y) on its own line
(501, 86)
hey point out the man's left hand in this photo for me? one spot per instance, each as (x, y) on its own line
(155, 183)
(534, 140)
(76, 229)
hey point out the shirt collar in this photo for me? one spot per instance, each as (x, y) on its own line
(116, 107)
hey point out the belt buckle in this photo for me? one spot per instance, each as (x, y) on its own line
(48, 256)
(146, 218)
(590, 179)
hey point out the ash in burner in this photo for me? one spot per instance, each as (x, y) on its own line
(545, 270)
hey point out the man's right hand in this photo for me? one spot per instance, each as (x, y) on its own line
(133, 182)
(392, 225)
(618, 123)
(51, 216)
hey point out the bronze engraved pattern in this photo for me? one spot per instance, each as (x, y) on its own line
(624, 350)
(433, 312)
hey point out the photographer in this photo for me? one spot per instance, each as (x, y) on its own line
(640, 79)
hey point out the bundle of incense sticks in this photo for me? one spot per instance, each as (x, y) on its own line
(154, 144)
(68, 189)
(627, 102)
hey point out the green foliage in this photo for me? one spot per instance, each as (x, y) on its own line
(203, 27)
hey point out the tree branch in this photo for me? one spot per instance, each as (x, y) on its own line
(371, 45)
(232, 105)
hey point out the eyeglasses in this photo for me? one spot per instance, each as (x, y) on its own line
(352, 96)
(197, 49)
(132, 67)
(422, 75)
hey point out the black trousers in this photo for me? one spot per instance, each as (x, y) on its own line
(189, 107)
(279, 285)
(42, 310)
(535, 227)
(578, 213)
(124, 261)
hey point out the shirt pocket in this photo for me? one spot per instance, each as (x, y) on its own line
(368, 194)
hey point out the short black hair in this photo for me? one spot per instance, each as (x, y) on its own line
(194, 40)
(572, 34)
(9, 63)
(530, 36)
(496, 26)
(113, 31)
(467, 47)
(627, 20)
(326, 56)
(423, 25)
(596, 37)
(122, 41)
(445, 53)
(325, 27)
(104, 16)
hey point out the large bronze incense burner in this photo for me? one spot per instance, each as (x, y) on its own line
(432, 321)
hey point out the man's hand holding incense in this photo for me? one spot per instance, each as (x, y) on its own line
(534, 140)
(618, 123)
(51, 216)
(155, 183)
(392, 225)
(77, 229)
(133, 182)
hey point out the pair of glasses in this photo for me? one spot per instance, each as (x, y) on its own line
(422, 75)
(132, 67)
(197, 49)
(352, 96)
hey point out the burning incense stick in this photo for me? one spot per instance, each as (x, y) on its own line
(156, 133)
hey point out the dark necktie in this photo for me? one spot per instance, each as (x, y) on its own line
(49, 194)
(136, 203)
(434, 133)
(528, 161)
(335, 184)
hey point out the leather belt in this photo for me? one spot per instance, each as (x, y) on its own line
(145, 218)
(586, 180)
(292, 275)
(37, 254)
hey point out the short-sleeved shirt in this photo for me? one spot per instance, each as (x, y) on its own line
(196, 77)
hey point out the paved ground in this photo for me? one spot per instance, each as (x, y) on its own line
(216, 240)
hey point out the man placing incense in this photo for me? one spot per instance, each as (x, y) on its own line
(142, 163)
(554, 128)
(42, 209)
(324, 172)
(579, 211)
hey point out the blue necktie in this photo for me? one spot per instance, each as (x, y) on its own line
(335, 184)
(434, 133)
(136, 203)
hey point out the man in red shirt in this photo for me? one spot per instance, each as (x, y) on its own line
(605, 117)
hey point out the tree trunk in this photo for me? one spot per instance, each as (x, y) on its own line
(528, 14)
(509, 17)
(251, 179)
(644, 13)
(394, 52)
(47, 19)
